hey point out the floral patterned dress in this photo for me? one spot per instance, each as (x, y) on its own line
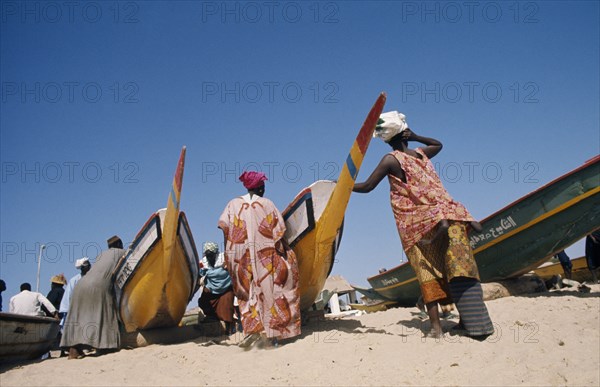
(419, 205)
(264, 273)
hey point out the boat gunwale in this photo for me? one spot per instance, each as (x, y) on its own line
(184, 222)
(25, 318)
(123, 260)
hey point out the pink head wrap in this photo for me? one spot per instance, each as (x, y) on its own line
(252, 180)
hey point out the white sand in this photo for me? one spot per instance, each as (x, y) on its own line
(549, 339)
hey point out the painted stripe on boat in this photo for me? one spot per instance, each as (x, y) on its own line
(351, 167)
(366, 131)
(290, 210)
(174, 198)
(525, 226)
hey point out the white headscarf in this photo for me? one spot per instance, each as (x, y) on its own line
(212, 247)
(81, 262)
(389, 125)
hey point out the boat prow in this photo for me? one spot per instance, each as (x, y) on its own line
(158, 274)
(314, 219)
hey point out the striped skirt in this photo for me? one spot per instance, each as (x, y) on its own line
(468, 298)
(447, 273)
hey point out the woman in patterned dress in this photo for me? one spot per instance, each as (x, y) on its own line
(263, 268)
(433, 229)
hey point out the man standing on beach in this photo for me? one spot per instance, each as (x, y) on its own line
(263, 268)
(92, 318)
(84, 266)
(57, 291)
(432, 227)
(565, 262)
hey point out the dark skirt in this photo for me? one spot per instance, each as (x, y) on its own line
(219, 306)
(592, 252)
(468, 298)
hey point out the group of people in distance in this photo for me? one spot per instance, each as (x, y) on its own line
(86, 311)
(260, 270)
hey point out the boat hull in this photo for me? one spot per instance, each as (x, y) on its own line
(521, 236)
(26, 337)
(153, 290)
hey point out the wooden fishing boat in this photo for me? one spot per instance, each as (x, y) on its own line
(314, 219)
(158, 275)
(579, 271)
(26, 337)
(521, 236)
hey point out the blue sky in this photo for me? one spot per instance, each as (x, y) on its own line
(99, 97)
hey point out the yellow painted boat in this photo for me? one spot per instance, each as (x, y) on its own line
(580, 271)
(158, 275)
(314, 219)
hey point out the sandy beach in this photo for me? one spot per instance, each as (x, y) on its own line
(551, 338)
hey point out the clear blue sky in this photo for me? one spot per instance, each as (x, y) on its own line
(99, 97)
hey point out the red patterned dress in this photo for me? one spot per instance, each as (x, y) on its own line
(263, 272)
(419, 205)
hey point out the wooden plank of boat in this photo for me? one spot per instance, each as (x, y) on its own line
(579, 271)
(519, 237)
(314, 219)
(158, 274)
(26, 337)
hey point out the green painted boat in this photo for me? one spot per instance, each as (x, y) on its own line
(521, 236)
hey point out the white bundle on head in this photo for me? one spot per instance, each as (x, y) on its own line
(389, 125)
(81, 262)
